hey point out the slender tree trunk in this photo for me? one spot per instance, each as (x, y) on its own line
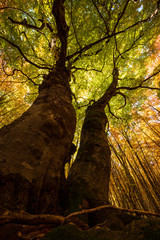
(34, 147)
(89, 175)
(88, 179)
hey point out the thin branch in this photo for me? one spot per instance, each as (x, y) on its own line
(38, 29)
(151, 88)
(101, 16)
(88, 55)
(129, 48)
(154, 74)
(74, 96)
(47, 25)
(34, 52)
(18, 70)
(14, 8)
(140, 85)
(85, 211)
(134, 42)
(84, 49)
(109, 109)
(25, 24)
(121, 15)
(23, 55)
(154, 108)
(85, 69)
(74, 26)
(87, 47)
(29, 42)
(124, 96)
(116, 45)
(137, 87)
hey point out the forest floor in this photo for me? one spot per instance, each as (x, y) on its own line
(113, 224)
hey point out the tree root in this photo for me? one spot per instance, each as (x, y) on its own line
(29, 219)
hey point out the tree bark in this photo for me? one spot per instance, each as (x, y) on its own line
(88, 180)
(89, 175)
(34, 147)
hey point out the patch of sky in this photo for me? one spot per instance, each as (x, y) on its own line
(140, 8)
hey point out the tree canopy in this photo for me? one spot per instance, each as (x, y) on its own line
(101, 35)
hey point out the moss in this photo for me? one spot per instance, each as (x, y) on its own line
(65, 232)
(71, 232)
(127, 217)
(149, 234)
(145, 229)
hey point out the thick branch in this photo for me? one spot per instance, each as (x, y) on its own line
(111, 91)
(62, 27)
(29, 219)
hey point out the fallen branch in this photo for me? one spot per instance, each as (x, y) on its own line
(29, 219)
(137, 212)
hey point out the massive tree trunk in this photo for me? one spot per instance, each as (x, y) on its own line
(34, 147)
(88, 180)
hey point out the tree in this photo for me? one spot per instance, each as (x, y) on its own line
(42, 137)
(57, 45)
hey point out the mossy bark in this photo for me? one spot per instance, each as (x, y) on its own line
(88, 178)
(34, 147)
